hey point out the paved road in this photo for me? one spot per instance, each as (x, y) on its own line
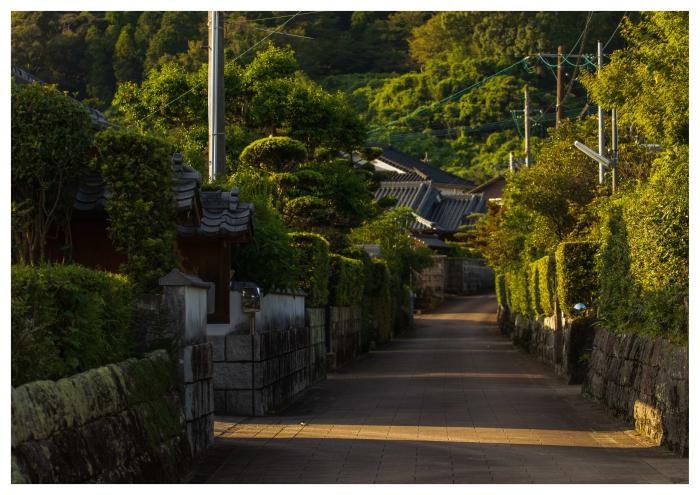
(450, 402)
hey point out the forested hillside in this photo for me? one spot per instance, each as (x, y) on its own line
(419, 80)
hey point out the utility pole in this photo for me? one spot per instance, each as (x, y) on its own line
(615, 152)
(527, 128)
(560, 56)
(601, 120)
(215, 93)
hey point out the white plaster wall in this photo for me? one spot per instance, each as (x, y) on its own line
(195, 313)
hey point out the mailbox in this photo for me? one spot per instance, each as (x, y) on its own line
(250, 299)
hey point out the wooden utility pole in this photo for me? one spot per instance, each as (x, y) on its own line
(615, 152)
(526, 117)
(215, 93)
(560, 56)
(601, 121)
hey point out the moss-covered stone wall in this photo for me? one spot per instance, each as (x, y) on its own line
(119, 423)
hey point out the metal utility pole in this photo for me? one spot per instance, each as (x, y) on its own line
(601, 119)
(511, 163)
(615, 152)
(526, 117)
(217, 136)
(560, 71)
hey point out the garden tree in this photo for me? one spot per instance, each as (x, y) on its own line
(127, 59)
(269, 96)
(273, 154)
(648, 81)
(50, 136)
(175, 30)
(391, 230)
(100, 79)
(137, 172)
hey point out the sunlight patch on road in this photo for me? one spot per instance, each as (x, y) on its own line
(626, 439)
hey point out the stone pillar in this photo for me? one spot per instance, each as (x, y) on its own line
(185, 302)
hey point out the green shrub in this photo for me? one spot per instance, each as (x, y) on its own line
(379, 300)
(137, 171)
(311, 255)
(533, 288)
(576, 275)
(518, 293)
(643, 261)
(542, 285)
(67, 319)
(346, 282)
(501, 290)
(274, 154)
(50, 137)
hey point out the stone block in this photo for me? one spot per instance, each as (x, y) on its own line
(218, 344)
(238, 347)
(238, 402)
(219, 398)
(232, 375)
(197, 362)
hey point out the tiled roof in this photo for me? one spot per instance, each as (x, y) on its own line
(434, 210)
(410, 165)
(221, 214)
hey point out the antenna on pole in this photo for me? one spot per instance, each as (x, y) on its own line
(215, 93)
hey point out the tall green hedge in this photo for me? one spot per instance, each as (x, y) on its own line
(576, 276)
(501, 290)
(643, 261)
(137, 171)
(67, 319)
(518, 294)
(311, 255)
(346, 281)
(379, 300)
(542, 285)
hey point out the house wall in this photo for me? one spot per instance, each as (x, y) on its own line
(468, 276)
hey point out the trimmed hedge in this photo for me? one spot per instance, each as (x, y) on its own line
(311, 255)
(542, 285)
(378, 296)
(346, 281)
(67, 319)
(274, 154)
(518, 295)
(576, 275)
(501, 290)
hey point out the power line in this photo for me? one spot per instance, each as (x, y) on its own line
(615, 31)
(201, 82)
(282, 33)
(585, 28)
(278, 16)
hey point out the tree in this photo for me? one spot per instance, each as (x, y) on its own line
(648, 81)
(273, 154)
(50, 137)
(127, 60)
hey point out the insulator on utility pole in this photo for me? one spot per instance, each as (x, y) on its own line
(601, 120)
(215, 93)
(615, 151)
(560, 71)
(526, 118)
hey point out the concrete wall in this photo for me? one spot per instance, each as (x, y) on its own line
(468, 276)
(121, 423)
(256, 374)
(644, 380)
(344, 338)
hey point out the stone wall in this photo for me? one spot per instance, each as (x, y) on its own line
(122, 423)
(468, 276)
(645, 381)
(344, 335)
(259, 374)
(429, 284)
(316, 323)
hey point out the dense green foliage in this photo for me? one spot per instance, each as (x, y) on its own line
(67, 319)
(576, 275)
(346, 281)
(500, 285)
(274, 154)
(643, 261)
(50, 137)
(137, 172)
(545, 269)
(311, 255)
(518, 292)
(648, 81)
(378, 298)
